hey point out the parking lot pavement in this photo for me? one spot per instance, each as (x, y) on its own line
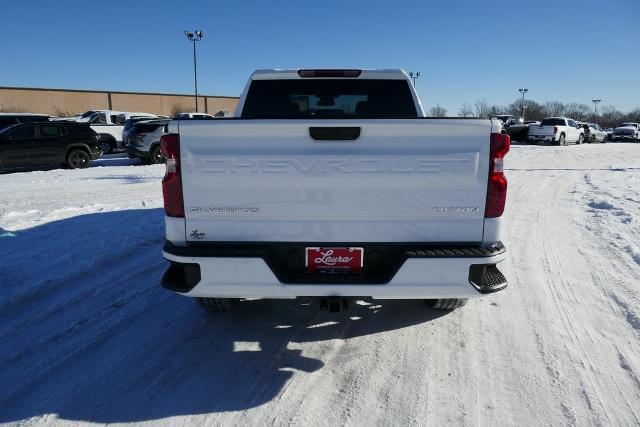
(88, 335)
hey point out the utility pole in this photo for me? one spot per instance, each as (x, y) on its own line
(523, 91)
(414, 77)
(195, 38)
(595, 108)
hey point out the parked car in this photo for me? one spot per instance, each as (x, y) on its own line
(609, 132)
(144, 140)
(508, 119)
(33, 144)
(193, 116)
(628, 131)
(514, 126)
(594, 133)
(109, 125)
(556, 130)
(128, 125)
(384, 201)
(10, 119)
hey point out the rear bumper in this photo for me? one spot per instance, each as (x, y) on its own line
(542, 138)
(410, 272)
(623, 137)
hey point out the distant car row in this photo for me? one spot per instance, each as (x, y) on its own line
(563, 130)
(28, 139)
(112, 125)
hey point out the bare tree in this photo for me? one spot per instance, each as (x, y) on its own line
(554, 108)
(532, 110)
(577, 111)
(177, 108)
(466, 110)
(61, 112)
(496, 109)
(481, 108)
(437, 111)
(11, 109)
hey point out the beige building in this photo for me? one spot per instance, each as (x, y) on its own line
(66, 102)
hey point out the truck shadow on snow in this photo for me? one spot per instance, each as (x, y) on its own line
(88, 333)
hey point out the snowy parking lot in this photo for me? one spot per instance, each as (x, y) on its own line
(87, 334)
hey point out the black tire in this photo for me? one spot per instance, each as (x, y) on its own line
(604, 139)
(561, 140)
(78, 159)
(592, 140)
(155, 156)
(580, 139)
(218, 305)
(447, 303)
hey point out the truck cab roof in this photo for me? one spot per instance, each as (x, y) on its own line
(312, 88)
(324, 73)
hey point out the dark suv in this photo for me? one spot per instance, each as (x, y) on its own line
(10, 119)
(31, 144)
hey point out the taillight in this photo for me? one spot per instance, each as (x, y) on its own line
(497, 183)
(172, 181)
(329, 73)
(555, 130)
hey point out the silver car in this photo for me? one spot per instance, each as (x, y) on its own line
(594, 133)
(143, 140)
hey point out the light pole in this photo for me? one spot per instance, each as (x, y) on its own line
(595, 107)
(414, 77)
(195, 38)
(523, 91)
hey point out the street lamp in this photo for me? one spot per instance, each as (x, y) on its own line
(595, 107)
(523, 91)
(195, 38)
(414, 77)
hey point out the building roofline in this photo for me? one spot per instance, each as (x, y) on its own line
(114, 92)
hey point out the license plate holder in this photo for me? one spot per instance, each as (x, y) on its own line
(334, 259)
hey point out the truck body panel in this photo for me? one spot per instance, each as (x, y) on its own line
(401, 180)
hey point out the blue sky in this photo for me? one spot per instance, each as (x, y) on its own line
(571, 50)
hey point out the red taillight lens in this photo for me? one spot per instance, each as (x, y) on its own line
(497, 183)
(172, 181)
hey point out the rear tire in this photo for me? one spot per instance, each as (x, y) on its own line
(580, 139)
(561, 140)
(78, 159)
(447, 303)
(218, 305)
(155, 156)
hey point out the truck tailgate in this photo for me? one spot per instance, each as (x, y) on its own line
(401, 180)
(537, 130)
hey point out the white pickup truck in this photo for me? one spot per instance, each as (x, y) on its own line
(332, 183)
(556, 130)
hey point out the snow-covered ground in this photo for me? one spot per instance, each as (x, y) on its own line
(88, 335)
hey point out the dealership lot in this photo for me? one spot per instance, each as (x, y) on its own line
(101, 341)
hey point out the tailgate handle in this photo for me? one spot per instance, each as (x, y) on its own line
(334, 133)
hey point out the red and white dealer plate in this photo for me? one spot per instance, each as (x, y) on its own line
(333, 260)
